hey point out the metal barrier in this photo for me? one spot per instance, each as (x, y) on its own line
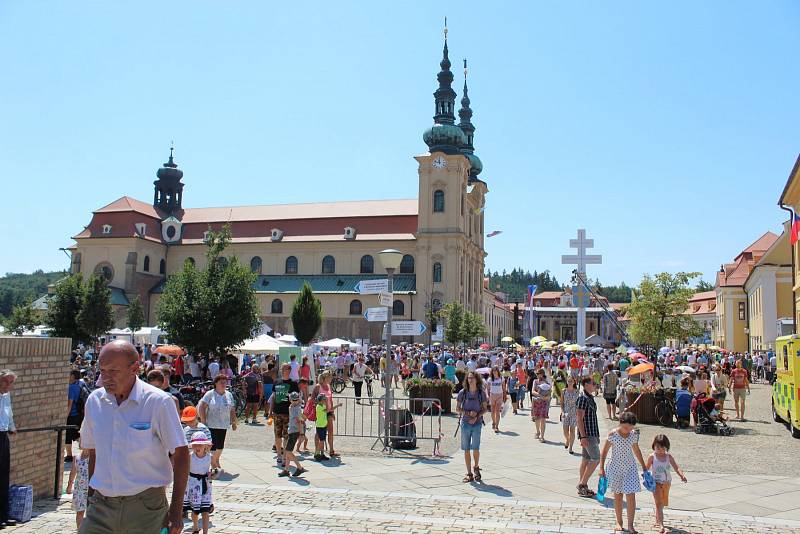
(60, 431)
(364, 418)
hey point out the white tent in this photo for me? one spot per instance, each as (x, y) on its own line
(334, 343)
(594, 340)
(287, 338)
(148, 334)
(262, 344)
(119, 333)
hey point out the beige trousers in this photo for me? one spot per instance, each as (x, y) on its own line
(142, 513)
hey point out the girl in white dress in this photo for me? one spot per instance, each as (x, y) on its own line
(197, 497)
(623, 475)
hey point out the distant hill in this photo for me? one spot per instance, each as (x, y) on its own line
(515, 285)
(18, 288)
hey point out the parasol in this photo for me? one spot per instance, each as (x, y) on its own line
(686, 369)
(170, 350)
(485, 346)
(507, 339)
(641, 368)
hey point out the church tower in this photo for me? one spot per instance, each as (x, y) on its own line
(451, 198)
(168, 194)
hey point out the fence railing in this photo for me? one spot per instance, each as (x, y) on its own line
(366, 418)
(60, 434)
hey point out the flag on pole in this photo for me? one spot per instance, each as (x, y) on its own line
(795, 235)
(492, 234)
(531, 292)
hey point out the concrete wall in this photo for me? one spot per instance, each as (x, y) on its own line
(39, 399)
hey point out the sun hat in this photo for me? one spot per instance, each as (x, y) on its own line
(188, 414)
(199, 438)
(294, 396)
(450, 360)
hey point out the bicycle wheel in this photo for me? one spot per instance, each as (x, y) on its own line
(664, 413)
(240, 404)
(338, 385)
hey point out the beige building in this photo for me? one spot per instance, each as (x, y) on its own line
(136, 245)
(497, 315)
(769, 294)
(731, 297)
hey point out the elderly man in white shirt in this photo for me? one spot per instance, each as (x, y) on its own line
(130, 429)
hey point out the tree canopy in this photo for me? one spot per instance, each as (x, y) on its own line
(63, 309)
(658, 312)
(17, 289)
(306, 315)
(135, 314)
(213, 309)
(22, 318)
(96, 316)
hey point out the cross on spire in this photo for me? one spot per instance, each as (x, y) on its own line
(581, 259)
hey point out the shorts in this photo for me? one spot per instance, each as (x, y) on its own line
(218, 438)
(471, 436)
(291, 440)
(592, 451)
(610, 400)
(281, 424)
(496, 401)
(719, 396)
(253, 399)
(739, 394)
(661, 494)
(513, 395)
(322, 433)
(73, 434)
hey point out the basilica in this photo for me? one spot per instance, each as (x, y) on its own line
(136, 245)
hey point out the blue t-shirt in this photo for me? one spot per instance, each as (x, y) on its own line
(430, 369)
(74, 393)
(450, 372)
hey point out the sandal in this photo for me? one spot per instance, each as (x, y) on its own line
(468, 478)
(477, 471)
(334, 454)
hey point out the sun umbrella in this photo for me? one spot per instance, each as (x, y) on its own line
(638, 356)
(170, 350)
(538, 339)
(622, 349)
(686, 369)
(436, 344)
(596, 350)
(507, 339)
(663, 350)
(484, 346)
(641, 368)
(484, 370)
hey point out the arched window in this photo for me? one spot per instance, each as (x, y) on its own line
(328, 265)
(291, 265)
(407, 264)
(367, 264)
(437, 272)
(398, 308)
(105, 270)
(162, 267)
(146, 266)
(222, 262)
(438, 201)
(355, 307)
(277, 306)
(255, 264)
(189, 260)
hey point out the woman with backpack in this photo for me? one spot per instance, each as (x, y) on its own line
(471, 404)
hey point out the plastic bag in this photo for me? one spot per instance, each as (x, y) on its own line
(602, 486)
(506, 406)
(648, 481)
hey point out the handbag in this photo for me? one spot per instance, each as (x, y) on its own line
(310, 410)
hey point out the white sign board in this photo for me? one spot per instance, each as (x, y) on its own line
(385, 298)
(372, 287)
(408, 328)
(439, 334)
(374, 315)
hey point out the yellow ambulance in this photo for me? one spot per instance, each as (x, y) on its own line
(786, 385)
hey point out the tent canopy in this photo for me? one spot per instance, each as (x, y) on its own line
(263, 344)
(287, 338)
(594, 339)
(334, 343)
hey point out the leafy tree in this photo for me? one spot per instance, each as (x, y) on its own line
(22, 318)
(472, 327)
(96, 316)
(17, 289)
(702, 285)
(454, 312)
(64, 307)
(213, 309)
(433, 316)
(135, 314)
(658, 312)
(306, 315)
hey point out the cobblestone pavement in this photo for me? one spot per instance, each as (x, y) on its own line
(280, 508)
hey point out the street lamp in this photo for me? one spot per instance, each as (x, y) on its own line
(390, 259)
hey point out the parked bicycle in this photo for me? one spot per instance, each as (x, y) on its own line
(665, 409)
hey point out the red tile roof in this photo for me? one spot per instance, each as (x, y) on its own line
(736, 273)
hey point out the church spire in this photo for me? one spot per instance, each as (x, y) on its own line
(168, 188)
(465, 114)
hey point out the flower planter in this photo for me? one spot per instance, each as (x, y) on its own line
(443, 393)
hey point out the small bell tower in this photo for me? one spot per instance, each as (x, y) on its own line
(168, 193)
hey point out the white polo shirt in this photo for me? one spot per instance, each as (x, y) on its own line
(131, 440)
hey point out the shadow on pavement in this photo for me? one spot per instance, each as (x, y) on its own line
(508, 433)
(227, 477)
(491, 488)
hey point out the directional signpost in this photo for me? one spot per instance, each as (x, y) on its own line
(372, 287)
(385, 298)
(408, 328)
(375, 315)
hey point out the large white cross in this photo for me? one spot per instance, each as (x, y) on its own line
(581, 260)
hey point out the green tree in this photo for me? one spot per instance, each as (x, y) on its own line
(658, 312)
(472, 327)
(17, 289)
(306, 315)
(702, 285)
(135, 314)
(96, 316)
(64, 307)
(22, 318)
(454, 313)
(213, 309)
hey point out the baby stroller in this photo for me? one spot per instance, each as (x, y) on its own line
(707, 418)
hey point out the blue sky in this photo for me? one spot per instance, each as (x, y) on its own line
(667, 130)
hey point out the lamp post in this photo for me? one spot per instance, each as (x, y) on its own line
(390, 259)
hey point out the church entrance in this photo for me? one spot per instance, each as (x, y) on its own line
(567, 333)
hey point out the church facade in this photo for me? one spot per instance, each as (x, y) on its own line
(136, 245)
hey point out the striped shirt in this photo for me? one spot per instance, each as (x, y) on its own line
(586, 403)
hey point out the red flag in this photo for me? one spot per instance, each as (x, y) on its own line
(795, 235)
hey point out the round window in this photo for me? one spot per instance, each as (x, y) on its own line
(171, 231)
